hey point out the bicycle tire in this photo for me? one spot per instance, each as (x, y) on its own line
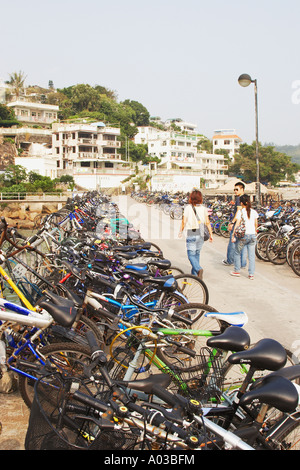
(196, 312)
(295, 259)
(261, 244)
(193, 288)
(167, 300)
(276, 250)
(291, 245)
(287, 434)
(65, 355)
(223, 229)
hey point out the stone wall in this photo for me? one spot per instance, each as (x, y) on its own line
(7, 154)
(23, 216)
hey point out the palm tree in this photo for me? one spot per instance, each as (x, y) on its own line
(17, 80)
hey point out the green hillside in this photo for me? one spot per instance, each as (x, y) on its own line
(291, 150)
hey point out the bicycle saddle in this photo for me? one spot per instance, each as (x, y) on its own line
(146, 385)
(136, 273)
(64, 315)
(160, 263)
(126, 254)
(274, 391)
(137, 266)
(234, 338)
(166, 283)
(266, 354)
(72, 299)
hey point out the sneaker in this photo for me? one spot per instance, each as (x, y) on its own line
(225, 262)
(251, 277)
(234, 273)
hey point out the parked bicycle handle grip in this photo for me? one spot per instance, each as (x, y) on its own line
(188, 351)
(176, 316)
(90, 401)
(165, 395)
(96, 352)
(107, 314)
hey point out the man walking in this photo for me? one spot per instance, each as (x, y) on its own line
(239, 189)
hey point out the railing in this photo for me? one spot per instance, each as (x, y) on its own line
(21, 196)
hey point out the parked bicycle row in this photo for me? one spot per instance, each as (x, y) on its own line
(115, 348)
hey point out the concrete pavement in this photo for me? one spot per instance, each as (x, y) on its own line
(271, 300)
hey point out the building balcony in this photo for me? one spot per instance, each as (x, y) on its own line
(110, 143)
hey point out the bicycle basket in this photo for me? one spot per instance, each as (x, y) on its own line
(203, 379)
(58, 422)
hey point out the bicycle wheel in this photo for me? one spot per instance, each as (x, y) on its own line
(196, 312)
(276, 250)
(193, 288)
(261, 245)
(69, 357)
(295, 259)
(162, 299)
(223, 229)
(289, 249)
(287, 433)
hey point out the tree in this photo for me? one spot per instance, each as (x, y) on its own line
(15, 174)
(85, 97)
(17, 82)
(141, 114)
(7, 117)
(273, 166)
(205, 145)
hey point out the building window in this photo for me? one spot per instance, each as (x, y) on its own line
(226, 142)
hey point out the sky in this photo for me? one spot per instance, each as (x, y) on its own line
(179, 58)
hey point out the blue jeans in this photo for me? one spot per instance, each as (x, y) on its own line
(243, 247)
(194, 244)
(231, 252)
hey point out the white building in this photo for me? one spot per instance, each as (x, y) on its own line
(226, 139)
(90, 153)
(181, 166)
(43, 165)
(34, 113)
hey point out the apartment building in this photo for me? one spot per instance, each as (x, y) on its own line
(181, 164)
(226, 139)
(90, 153)
(34, 113)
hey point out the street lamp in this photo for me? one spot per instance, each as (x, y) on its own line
(245, 80)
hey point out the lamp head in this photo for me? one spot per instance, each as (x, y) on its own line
(244, 80)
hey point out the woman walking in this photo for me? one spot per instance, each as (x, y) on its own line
(249, 216)
(194, 215)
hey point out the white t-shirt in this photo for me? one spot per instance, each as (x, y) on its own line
(191, 221)
(249, 223)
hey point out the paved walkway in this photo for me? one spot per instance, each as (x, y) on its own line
(271, 301)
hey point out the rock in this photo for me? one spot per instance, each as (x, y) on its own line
(8, 382)
(49, 208)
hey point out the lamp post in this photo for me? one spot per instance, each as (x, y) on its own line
(245, 80)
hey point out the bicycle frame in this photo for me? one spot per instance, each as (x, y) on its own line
(15, 314)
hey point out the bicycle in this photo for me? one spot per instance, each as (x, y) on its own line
(26, 337)
(66, 414)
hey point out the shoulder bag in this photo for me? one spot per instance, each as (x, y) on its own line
(241, 229)
(203, 230)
